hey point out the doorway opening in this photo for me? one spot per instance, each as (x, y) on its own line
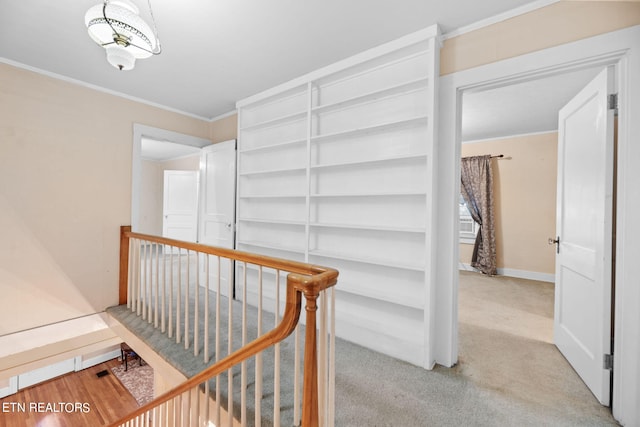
(506, 323)
(155, 144)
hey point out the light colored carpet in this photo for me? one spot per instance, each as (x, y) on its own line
(138, 379)
(506, 347)
(509, 374)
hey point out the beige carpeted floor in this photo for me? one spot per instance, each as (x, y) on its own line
(506, 345)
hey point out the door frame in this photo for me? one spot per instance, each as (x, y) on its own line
(140, 131)
(620, 48)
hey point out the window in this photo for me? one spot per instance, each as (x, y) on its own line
(468, 227)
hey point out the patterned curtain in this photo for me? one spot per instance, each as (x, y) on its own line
(477, 190)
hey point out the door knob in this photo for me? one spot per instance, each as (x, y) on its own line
(556, 242)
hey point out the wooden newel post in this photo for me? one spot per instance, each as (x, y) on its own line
(124, 264)
(310, 384)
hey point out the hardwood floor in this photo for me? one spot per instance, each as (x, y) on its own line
(77, 399)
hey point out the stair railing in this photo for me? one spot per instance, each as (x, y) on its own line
(178, 286)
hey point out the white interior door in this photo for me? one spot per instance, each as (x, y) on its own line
(582, 328)
(218, 210)
(180, 205)
(217, 213)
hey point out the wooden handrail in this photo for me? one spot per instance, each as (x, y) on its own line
(266, 261)
(304, 279)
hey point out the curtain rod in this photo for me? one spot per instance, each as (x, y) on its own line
(497, 156)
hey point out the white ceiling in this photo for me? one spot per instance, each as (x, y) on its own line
(152, 149)
(216, 52)
(522, 108)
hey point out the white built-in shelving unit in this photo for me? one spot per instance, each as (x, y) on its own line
(334, 168)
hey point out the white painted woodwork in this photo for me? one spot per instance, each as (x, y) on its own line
(180, 205)
(620, 48)
(8, 386)
(217, 204)
(334, 168)
(218, 199)
(39, 375)
(582, 317)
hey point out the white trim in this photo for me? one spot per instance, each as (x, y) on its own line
(224, 116)
(99, 88)
(622, 48)
(518, 135)
(82, 363)
(530, 7)
(519, 274)
(12, 388)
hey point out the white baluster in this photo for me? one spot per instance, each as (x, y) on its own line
(206, 310)
(163, 323)
(243, 364)
(171, 284)
(230, 345)
(322, 360)
(186, 301)
(297, 390)
(196, 324)
(332, 359)
(258, 380)
(139, 286)
(276, 362)
(217, 343)
(179, 296)
(149, 264)
(130, 272)
(156, 287)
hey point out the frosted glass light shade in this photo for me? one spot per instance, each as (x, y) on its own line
(133, 37)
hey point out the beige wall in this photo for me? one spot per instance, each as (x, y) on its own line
(224, 129)
(65, 189)
(525, 200)
(559, 23)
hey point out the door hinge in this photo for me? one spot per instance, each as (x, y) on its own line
(613, 101)
(608, 362)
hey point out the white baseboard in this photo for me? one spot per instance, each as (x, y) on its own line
(11, 387)
(82, 363)
(520, 274)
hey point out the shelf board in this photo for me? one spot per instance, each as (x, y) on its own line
(391, 297)
(273, 146)
(399, 89)
(395, 194)
(369, 227)
(272, 221)
(273, 171)
(384, 127)
(273, 196)
(371, 161)
(383, 262)
(270, 246)
(276, 121)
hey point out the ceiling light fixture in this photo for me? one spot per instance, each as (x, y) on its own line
(117, 26)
